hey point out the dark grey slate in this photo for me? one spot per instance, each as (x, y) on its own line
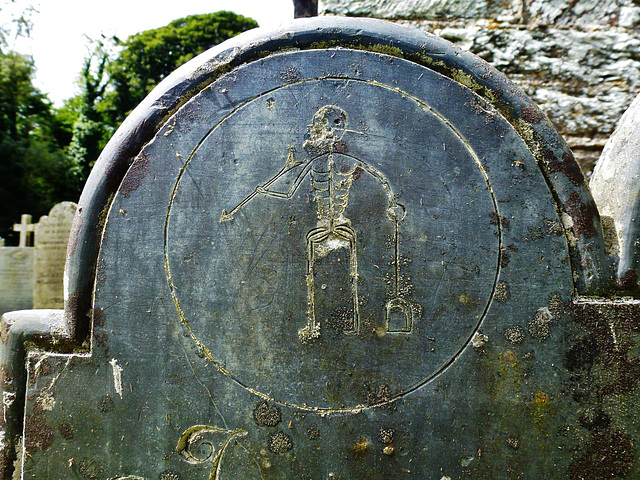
(342, 250)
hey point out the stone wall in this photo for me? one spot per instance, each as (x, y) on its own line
(578, 59)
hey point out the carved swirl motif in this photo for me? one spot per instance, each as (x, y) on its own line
(196, 448)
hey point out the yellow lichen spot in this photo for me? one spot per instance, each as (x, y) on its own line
(541, 398)
(361, 446)
(387, 50)
(388, 450)
(464, 299)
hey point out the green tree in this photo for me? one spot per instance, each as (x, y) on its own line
(32, 164)
(91, 129)
(114, 84)
(45, 153)
(148, 57)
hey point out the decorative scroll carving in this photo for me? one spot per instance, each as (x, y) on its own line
(204, 443)
(196, 448)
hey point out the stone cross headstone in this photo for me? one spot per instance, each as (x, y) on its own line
(25, 228)
(51, 239)
(16, 269)
(342, 250)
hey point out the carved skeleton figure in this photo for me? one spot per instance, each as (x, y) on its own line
(331, 188)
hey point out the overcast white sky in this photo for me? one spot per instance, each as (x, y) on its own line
(58, 43)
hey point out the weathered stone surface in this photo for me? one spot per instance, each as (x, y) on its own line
(603, 359)
(349, 252)
(623, 13)
(51, 239)
(424, 9)
(16, 278)
(580, 61)
(587, 13)
(616, 188)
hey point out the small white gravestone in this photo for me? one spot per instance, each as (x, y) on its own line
(51, 238)
(26, 228)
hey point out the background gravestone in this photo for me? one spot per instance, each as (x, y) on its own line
(345, 250)
(51, 239)
(16, 278)
(615, 181)
(16, 270)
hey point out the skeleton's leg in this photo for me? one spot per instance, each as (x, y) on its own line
(312, 330)
(349, 234)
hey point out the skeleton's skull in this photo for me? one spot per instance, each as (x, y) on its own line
(327, 127)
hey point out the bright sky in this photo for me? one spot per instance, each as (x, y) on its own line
(59, 46)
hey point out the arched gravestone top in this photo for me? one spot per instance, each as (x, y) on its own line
(616, 188)
(341, 249)
(552, 155)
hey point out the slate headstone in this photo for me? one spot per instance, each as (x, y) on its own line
(51, 238)
(344, 250)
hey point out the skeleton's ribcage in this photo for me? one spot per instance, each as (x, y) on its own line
(331, 192)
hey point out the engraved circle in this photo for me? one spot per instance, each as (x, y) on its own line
(329, 233)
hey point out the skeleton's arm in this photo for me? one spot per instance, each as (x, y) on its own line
(395, 211)
(264, 189)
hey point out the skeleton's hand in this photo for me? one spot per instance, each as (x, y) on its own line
(396, 212)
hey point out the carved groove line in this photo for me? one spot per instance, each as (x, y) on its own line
(330, 410)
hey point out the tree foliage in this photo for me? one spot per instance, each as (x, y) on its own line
(91, 129)
(148, 57)
(17, 21)
(46, 154)
(33, 167)
(113, 85)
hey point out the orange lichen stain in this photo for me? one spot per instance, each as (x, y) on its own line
(541, 398)
(542, 411)
(509, 356)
